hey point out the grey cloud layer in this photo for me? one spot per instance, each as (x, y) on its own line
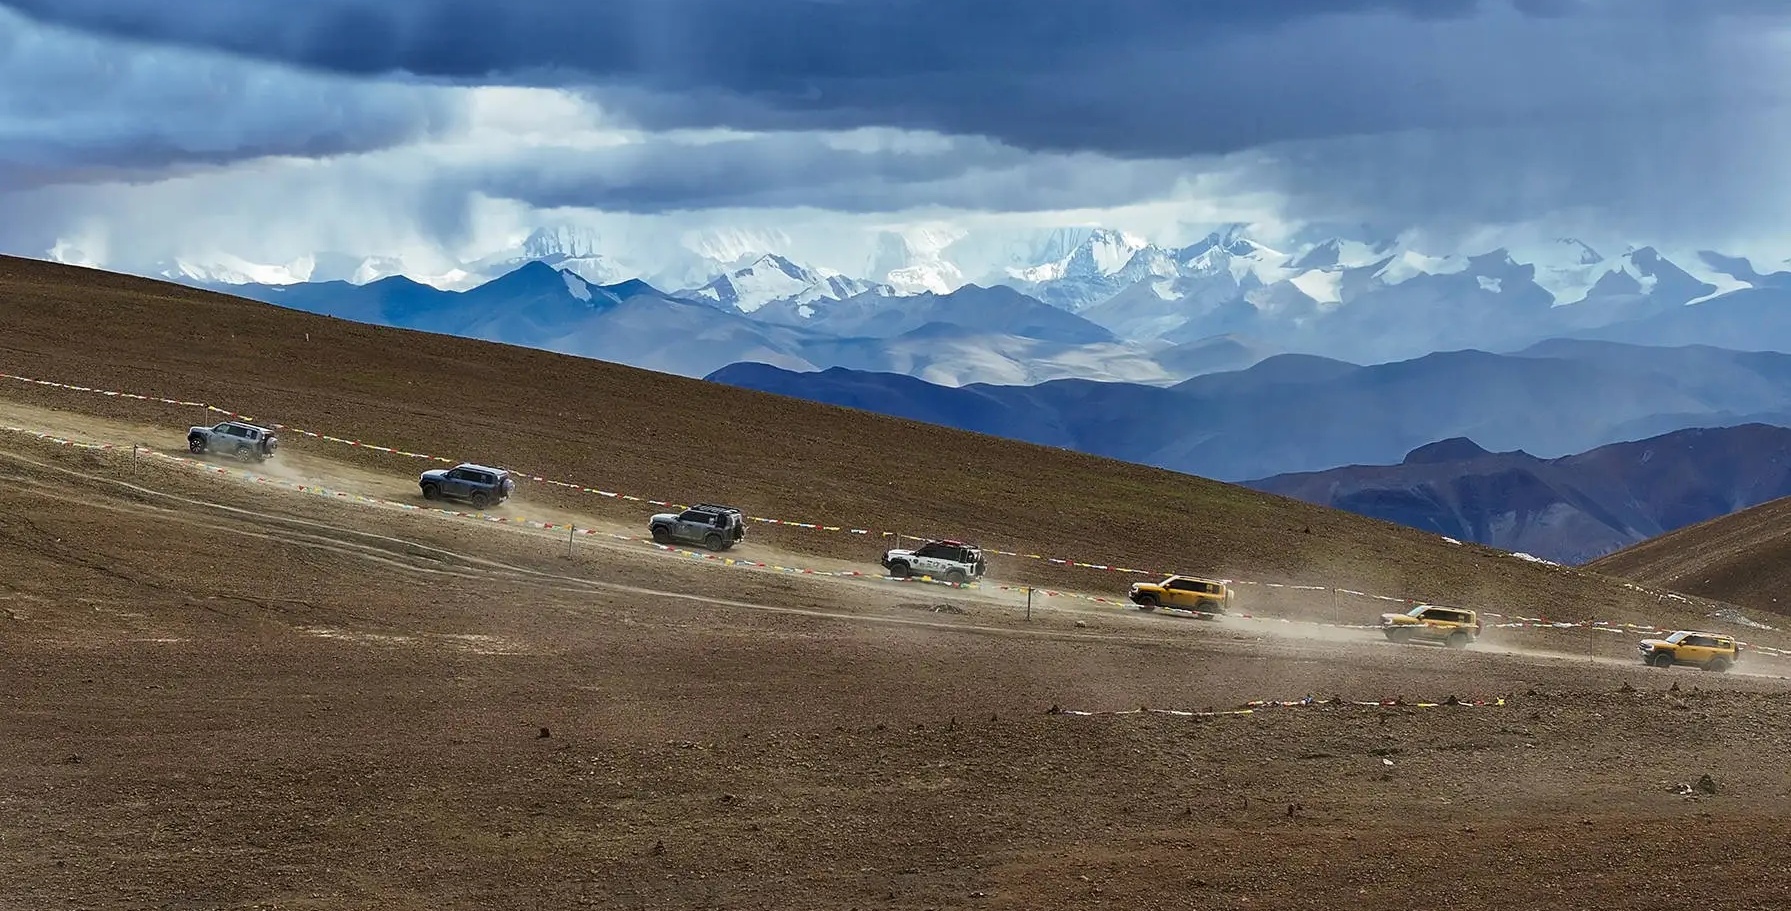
(1656, 114)
(784, 170)
(1160, 78)
(78, 109)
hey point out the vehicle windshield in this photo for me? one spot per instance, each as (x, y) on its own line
(1678, 637)
(1417, 611)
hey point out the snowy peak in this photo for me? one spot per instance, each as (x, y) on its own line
(773, 278)
(561, 243)
(914, 261)
(1105, 252)
(224, 269)
(1230, 253)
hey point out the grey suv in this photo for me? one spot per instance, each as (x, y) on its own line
(714, 527)
(479, 485)
(245, 441)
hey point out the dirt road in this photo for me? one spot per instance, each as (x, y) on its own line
(224, 694)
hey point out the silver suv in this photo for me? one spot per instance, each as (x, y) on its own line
(479, 485)
(714, 527)
(235, 438)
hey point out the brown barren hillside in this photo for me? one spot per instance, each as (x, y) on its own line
(299, 686)
(656, 435)
(1743, 559)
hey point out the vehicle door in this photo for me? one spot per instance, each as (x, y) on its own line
(689, 526)
(1179, 594)
(478, 481)
(455, 483)
(227, 439)
(928, 560)
(1205, 596)
(1696, 649)
(1438, 622)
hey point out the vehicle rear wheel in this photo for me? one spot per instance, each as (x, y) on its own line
(956, 577)
(432, 491)
(1147, 602)
(481, 499)
(662, 535)
(1662, 660)
(1457, 640)
(712, 541)
(1718, 666)
(245, 454)
(196, 445)
(899, 570)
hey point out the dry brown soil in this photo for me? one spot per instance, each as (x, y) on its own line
(221, 693)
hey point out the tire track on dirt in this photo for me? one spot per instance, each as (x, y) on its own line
(495, 569)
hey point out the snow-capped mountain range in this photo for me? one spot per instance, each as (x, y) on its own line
(772, 278)
(1355, 296)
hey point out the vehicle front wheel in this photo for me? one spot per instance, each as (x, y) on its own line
(1398, 635)
(432, 491)
(1147, 602)
(899, 570)
(1662, 660)
(662, 535)
(196, 445)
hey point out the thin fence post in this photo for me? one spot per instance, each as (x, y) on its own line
(1029, 604)
(133, 457)
(1336, 616)
(570, 531)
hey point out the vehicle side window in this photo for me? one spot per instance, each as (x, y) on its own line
(1177, 585)
(455, 474)
(929, 550)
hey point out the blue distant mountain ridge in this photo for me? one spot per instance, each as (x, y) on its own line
(1295, 413)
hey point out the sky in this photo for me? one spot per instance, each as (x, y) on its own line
(440, 131)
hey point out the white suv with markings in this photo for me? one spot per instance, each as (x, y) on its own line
(949, 561)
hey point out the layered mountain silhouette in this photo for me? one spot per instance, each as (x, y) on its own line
(1570, 510)
(1297, 413)
(971, 334)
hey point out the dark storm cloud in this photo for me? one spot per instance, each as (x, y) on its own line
(1142, 78)
(76, 109)
(785, 170)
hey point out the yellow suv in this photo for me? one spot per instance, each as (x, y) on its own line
(1710, 651)
(1188, 593)
(1455, 627)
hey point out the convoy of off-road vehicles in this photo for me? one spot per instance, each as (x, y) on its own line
(719, 528)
